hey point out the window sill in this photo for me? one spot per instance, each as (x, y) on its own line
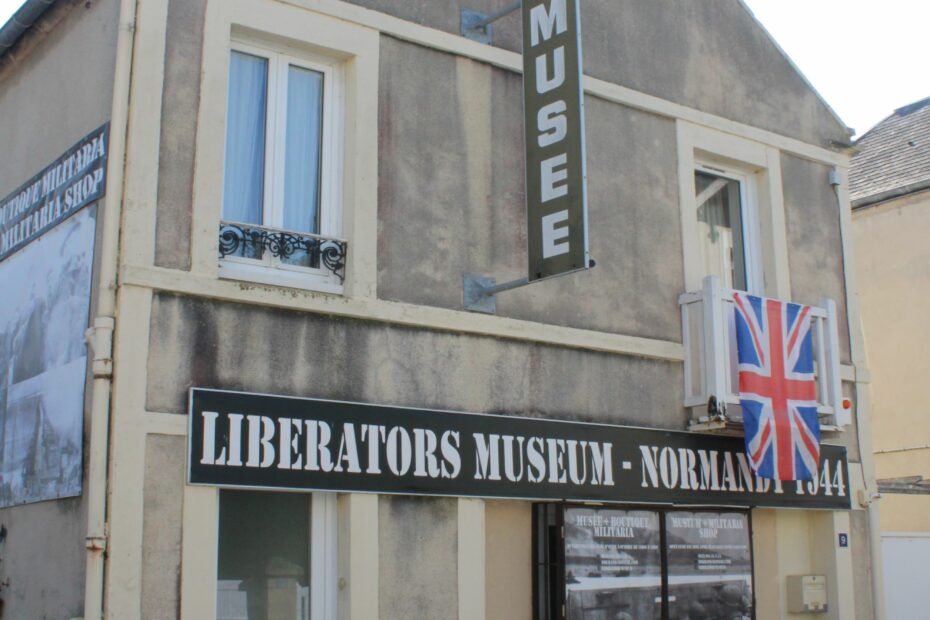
(279, 276)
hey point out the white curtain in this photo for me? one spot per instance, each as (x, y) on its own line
(243, 183)
(303, 148)
(720, 229)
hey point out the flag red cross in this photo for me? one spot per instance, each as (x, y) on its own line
(778, 387)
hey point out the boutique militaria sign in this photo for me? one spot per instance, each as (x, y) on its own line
(553, 100)
(61, 189)
(275, 442)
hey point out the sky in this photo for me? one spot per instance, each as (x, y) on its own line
(865, 57)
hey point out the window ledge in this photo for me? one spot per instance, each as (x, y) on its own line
(731, 427)
(261, 274)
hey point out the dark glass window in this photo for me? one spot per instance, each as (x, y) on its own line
(263, 568)
(611, 563)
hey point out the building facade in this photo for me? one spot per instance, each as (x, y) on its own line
(890, 181)
(294, 192)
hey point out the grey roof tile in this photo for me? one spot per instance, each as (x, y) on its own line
(893, 155)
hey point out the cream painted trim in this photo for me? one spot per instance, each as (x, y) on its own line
(399, 314)
(199, 548)
(503, 59)
(775, 236)
(324, 556)
(853, 307)
(140, 193)
(156, 423)
(358, 50)
(127, 447)
(358, 557)
(471, 559)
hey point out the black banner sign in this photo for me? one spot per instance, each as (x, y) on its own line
(259, 441)
(553, 103)
(63, 188)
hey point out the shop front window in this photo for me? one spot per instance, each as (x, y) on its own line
(263, 568)
(638, 564)
(709, 565)
(613, 564)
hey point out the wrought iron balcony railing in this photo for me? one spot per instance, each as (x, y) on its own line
(284, 247)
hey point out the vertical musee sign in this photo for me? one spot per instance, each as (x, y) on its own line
(553, 99)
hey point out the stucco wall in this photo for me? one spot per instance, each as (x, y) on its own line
(254, 349)
(180, 102)
(893, 263)
(417, 560)
(509, 565)
(862, 563)
(56, 86)
(713, 57)
(451, 199)
(162, 491)
(815, 243)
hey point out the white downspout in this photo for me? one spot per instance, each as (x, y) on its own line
(101, 334)
(870, 495)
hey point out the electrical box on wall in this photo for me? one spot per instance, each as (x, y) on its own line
(807, 594)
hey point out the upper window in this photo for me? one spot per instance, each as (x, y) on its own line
(726, 226)
(281, 203)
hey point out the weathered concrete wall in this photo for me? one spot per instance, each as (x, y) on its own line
(418, 557)
(712, 56)
(451, 199)
(56, 85)
(815, 243)
(163, 492)
(253, 349)
(862, 561)
(180, 106)
(55, 88)
(43, 558)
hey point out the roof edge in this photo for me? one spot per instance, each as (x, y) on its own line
(874, 199)
(27, 15)
(849, 130)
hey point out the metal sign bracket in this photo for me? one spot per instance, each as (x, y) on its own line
(477, 26)
(480, 292)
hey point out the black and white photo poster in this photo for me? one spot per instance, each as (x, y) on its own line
(709, 565)
(613, 564)
(43, 362)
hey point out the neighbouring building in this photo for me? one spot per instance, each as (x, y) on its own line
(890, 192)
(239, 377)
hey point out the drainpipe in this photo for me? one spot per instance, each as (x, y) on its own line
(28, 14)
(869, 496)
(101, 334)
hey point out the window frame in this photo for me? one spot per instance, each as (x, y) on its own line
(279, 58)
(760, 165)
(749, 219)
(322, 554)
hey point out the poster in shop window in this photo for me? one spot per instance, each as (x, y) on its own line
(709, 565)
(613, 564)
(43, 362)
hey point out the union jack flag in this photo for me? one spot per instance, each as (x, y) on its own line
(776, 387)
